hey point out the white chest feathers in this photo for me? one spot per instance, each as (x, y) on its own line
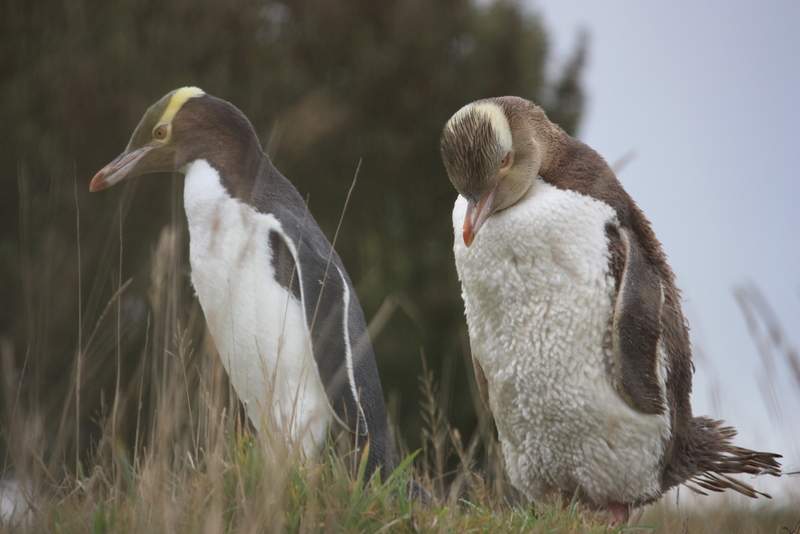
(258, 326)
(538, 299)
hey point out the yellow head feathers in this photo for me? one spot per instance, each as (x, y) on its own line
(176, 102)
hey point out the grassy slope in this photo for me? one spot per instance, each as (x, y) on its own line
(242, 485)
(192, 468)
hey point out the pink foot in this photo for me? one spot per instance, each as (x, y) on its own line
(619, 513)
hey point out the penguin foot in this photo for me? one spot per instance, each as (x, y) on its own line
(618, 513)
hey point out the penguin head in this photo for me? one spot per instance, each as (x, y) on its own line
(493, 150)
(184, 125)
(152, 147)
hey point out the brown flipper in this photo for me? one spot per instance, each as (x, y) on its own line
(713, 458)
(636, 326)
(483, 385)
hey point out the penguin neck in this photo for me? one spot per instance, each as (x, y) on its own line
(242, 168)
(259, 185)
(204, 192)
(556, 147)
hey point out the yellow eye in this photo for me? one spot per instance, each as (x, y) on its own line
(160, 132)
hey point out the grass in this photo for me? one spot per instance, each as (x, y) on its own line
(234, 493)
(174, 453)
(241, 488)
(229, 480)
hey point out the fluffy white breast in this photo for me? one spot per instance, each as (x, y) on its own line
(538, 300)
(258, 326)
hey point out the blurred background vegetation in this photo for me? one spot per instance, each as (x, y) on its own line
(326, 84)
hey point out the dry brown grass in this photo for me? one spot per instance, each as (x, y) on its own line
(175, 453)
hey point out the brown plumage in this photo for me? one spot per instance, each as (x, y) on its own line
(701, 452)
(647, 311)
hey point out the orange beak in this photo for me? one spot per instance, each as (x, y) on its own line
(477, 215)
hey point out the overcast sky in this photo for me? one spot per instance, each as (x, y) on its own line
(706, 94)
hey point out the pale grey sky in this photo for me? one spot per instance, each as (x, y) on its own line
(706, 94)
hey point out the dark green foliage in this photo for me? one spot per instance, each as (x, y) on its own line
(326, 84)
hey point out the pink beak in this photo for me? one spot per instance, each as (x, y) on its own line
(477, 215)
(117, 170)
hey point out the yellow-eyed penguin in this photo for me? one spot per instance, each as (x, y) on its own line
(574, 320)
(277, 299)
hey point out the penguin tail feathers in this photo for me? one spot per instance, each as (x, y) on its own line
(715, 458)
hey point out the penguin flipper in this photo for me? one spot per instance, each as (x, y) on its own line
(324, 293)
(482, 383)
(636, 325)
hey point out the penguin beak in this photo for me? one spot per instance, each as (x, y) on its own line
(477, 213)
(122, 167)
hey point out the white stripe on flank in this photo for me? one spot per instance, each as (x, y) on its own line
(299, 276)
(351, 377)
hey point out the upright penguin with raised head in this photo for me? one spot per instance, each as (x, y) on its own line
(578, 339)
(277, 299)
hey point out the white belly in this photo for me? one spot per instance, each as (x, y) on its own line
(258, 327)
(538, 301)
